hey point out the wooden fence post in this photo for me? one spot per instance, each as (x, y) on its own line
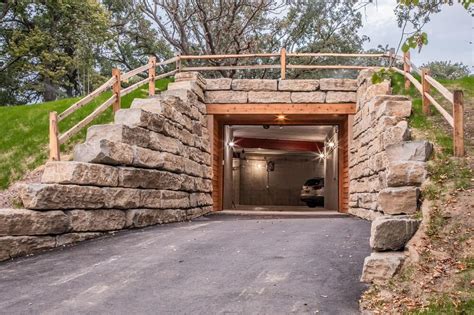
(116, 89)
(178, 63)
(283, 63)
(425, 88)
(391, 56)
(151, 75)
(458, 117)
(406, 68)
(53, 137)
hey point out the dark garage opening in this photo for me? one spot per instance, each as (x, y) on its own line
(266, 167)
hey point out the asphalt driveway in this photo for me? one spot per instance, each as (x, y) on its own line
(214, 265)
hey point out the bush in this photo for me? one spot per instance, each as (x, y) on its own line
(447, 70)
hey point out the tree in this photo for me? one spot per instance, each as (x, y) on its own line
(447, 70)
(45, 44)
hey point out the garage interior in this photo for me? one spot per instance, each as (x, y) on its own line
(266, 166)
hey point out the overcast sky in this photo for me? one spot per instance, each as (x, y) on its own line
(450, 33)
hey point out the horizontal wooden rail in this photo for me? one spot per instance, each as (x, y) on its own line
(292, 66)
(76, 128)
(440, 88)
(231, 56)
(335, 55)
(241, 67)
(134, 72)
(409, 77)
(134, 86)
(71, 109)
(440, 109)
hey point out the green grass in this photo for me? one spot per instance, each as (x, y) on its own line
(447, 307)
(24, 131)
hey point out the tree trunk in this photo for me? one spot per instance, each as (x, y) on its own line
(49, 93)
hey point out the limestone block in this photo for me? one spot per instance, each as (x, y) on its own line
(406, 173)
(165, 108)
(380, 267)
(191, 76)
(186, 96)
(197, 155)
(70, 172)
(341, 97)
(308, 97)
(71, 238)
(202, 184)
(104, 152)
(410, 151)
(269, 97)
(197, 212)
(218, 84)
(30, 222)
(254, 85)
(298, 85)
(200, 199)
(375, 90)
(338, 85)
(392, 232)
(137, 117)
(364, 213)
(174, 99)
(15, 246)
(119, 133)
(164, 143)
(96, 220)
(159, 160)
(163, 199)
(396, 134)
(149, 179)
(144, 217)
(226, 97)
(54, 196)
(400, 109)
(364, 76)
(187, 85)
(399, 200)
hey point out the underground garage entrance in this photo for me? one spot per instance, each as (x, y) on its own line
(280, 167)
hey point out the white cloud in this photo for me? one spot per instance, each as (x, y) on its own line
(450, 32)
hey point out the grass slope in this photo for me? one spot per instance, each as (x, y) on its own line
(24, 131)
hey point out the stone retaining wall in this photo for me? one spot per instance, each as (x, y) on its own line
(386, 172)
(220, 91)
(151, 166)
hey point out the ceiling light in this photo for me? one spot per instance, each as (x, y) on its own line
(281, 117)
(331, 144)
(321, 155)
(232, 144)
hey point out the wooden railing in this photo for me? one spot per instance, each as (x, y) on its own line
(114, 83)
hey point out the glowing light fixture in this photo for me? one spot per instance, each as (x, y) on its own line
(322, 155)
(281, 117)
(231, 144)
(331, 144)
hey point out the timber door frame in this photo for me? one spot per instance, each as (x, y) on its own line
(217, 121)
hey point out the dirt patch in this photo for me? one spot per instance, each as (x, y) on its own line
(9, 197)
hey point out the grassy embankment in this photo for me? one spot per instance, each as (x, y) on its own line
(24, 131)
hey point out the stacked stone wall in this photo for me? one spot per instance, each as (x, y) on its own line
(151, 166)
(243, 91)
(386, 171)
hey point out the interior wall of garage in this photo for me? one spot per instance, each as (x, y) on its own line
(279, 187)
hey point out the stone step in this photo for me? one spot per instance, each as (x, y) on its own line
(96, 220)
(114, 153)
(399, 200)
(147, 139)
(380, 267)
(56, 196)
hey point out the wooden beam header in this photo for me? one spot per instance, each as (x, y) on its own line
(278, 108)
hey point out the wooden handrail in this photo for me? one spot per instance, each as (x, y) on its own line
(115, 83)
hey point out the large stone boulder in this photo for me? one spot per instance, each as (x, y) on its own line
(341, 97)
(338, 85)
(399, 200)
(406, 173)
(14, 246)
(410, 151)
(392, 232)
(144, 217)
(218, 84)
(30, 222)
(380, 267)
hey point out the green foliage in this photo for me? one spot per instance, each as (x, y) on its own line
(24, 129)
(416, 40)
(447, 306)
(446, 70)
(382, 75)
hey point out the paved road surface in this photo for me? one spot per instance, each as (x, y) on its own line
(213, 265)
